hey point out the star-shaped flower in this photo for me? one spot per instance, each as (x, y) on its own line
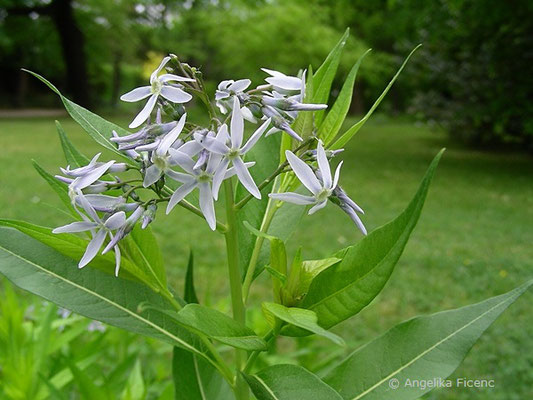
(230, 147)
(159, 85)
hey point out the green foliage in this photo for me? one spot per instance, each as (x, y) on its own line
(288, 382)
(427, 348)
(72, 155)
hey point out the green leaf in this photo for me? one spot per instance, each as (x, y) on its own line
(346, 136)
(344, 289)
(43, 271)
(424, 348)
(135, 388)
(301, 318)
(324, 76)
(218, 326)
(141, 247)
(74, 247)
(74, 158)
(88, 389)
(289, 382)
(97, 127)
(195, 379)
(335, 118)
(190, 293)
(59, 187)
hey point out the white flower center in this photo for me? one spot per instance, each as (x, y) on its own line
(234, 153)
(323, 195)
(156, 86)
(161, 162)
(204, 177)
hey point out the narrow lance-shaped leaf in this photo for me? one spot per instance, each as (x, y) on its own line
(324, 76)
(43, 271)
(304, 122)
(97, 127)
(301, 318)
(135, 388)
(190, 293)
(424, 348)
(74, 158)
(346, 288)
(336, 116)
(289, 382)
(195, 379)
(346, 136)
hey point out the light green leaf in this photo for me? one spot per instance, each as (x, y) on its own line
(141, 247)
(304, 122)
(346, 136)
(289, 382)
(43, 271)
(87, 388)
(310, 269)
(135, 388)
(324, 76)
(190, 293)
(336, 116)
(218, 326)
(301, 318)
(195, 379)
(97, 127)
(74, 158)
(344, 289)
(424, 348)
(74, 247)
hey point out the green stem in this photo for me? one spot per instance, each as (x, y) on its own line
(239, 313)
(251, 360)
(267, 220)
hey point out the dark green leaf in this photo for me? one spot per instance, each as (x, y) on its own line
(195, 379)
(59, 187)
(424, 348)
(346, 288)
(346, 136)
(301, 318)
(289, 382)
(190, 293)
(324, 76)
(336, 116)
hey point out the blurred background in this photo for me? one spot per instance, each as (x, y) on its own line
(469, 88)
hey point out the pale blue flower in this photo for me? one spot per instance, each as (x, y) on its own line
(229, 89)
(159, 85)
(230, 147)
(99, 228)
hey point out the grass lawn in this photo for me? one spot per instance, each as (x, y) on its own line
(474, 239)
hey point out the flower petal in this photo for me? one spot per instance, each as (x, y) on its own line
(144, 114)
(245, 178)
(154, 74)
(240, 85)
(207, 205)
(255, 137)
(323, 165)
(294, 198)
(74, 227)
(117, 259)
(88, 179)
(286, 82)
(231, 171)
(304, 173)
(183, 160)
(171, 137)
(151, 175)
(92, 248)
(178, 176)
(181, 193)
(355, 218)
(87, 207)
(237, 124)
(337, 175)
(272, 72)
(175, 95)
(136, 94)
(115, 221)
(317, 207)
(212, 144)
(219, 176)
(171, 77)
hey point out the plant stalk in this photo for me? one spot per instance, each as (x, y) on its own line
(239, 313)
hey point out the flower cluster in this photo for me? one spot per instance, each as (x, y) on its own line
(176, 157)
